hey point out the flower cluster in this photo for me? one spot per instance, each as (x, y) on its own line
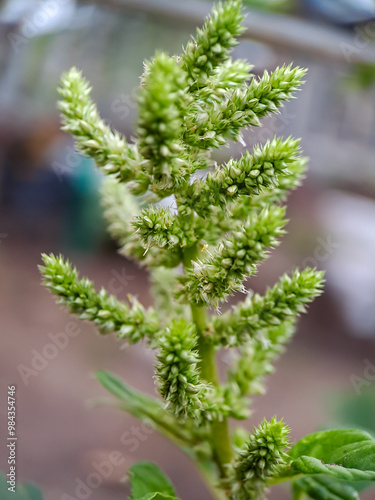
(241, 108)
(159, 227)
(247, 176)
(211, 280)
(212, 44)
(93, 137)
(283, 302)
(177, 372)
(161, 108)
(199, 245)
(261, 459)
(105, 311)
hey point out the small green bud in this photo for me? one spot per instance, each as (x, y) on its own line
(260, 460)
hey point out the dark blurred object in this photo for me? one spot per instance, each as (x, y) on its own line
(30, 191)
(85, 228)
(49, 190)
(346, 12)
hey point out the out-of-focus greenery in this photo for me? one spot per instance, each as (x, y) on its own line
(26, 491)
(363, 76)
(355, 410)
(271, 5)
(276, 5)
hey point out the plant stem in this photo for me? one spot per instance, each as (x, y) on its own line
(220, 442)
(208, 369)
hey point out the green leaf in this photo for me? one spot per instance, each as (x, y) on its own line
(361, 485)
(356, 455)
(297, 491)
(147, 479)
(310, 465)
(152, 412)
(326, 488)
(116, 386)
(323, 444)
(138, 404)
(147, 409)
(345, 454)
(157, 496)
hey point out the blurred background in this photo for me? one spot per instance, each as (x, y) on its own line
(49, 198)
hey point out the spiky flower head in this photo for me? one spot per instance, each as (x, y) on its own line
(162, 102)
(94, 138)
(213, 279)
(260, 460)
(221, 222)
(105, 311)
(213, 42)
(285, 301)
(177, 374)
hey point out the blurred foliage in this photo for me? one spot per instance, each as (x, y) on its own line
(356, 410)
(362, 77)
(26, 491)
(271, 5)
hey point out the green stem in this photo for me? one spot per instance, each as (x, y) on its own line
(208, 369)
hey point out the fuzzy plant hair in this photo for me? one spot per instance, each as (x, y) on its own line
(201, 230)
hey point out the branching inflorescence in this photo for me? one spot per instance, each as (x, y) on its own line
(218, 227)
